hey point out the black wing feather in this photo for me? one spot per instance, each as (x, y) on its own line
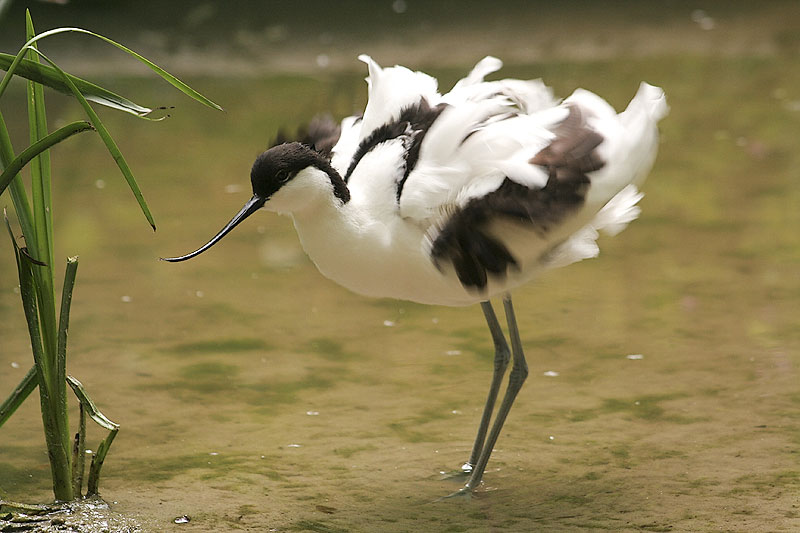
(464, 239)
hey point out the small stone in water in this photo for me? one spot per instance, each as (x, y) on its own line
(182, 519)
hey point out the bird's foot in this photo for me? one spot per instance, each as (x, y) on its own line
(464, 493)
(464, 471)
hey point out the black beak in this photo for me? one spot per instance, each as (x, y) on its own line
(254, 204)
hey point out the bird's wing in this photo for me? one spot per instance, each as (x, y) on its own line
(404, 106)
(497, 191)
(615, 216)
(488, 131)
(347, 144)
(391, 91)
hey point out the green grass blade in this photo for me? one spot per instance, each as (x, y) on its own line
(20, 394)
(59, 456)
(95, 414)
(30, 307)
(169, 78)
(18, 194)
(13, 168)
(54, 403)
(112, 147)
(42, 247)
(79, 453)
(97, 463)
(48, 76)
(91, 409)
(40, 180)
(63, 322)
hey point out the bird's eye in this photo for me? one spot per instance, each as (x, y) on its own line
(282, 176)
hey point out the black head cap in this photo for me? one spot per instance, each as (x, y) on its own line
(271, 171)
(278, 165)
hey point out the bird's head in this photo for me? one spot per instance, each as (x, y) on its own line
(285, 178)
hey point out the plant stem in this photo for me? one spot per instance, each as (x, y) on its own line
(54, 396)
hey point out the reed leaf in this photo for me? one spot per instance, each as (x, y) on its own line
(50, 77)
(91, 409)
(79, 453)
(111, 146)
(19, 395)
(63, 321)
(29, 306)
(13, 168)
(169, 78)
(18, 194)
(54, 402)
(103, 421)
(59, 456)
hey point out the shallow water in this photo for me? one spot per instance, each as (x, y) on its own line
(254, 394)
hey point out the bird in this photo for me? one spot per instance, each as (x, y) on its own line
(456, 198)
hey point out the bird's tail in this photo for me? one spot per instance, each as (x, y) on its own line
(630, 140)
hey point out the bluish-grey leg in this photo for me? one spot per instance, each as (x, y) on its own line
(501, 357)
(519, 371)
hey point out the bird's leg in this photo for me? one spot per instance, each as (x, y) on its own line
(519, 371)
(501, 356)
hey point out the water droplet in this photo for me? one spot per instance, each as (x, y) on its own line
(293, 445)
(233, 188)
(551, 374)
(455, 412)
(453, 352)
(323, 61)
(552, 437)
(399, 6)
(213, 453)
(126, 299)
(199, 294)
(634, 356)
(312, 413)
(100, 184)
(388, 323)
(14, 364)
